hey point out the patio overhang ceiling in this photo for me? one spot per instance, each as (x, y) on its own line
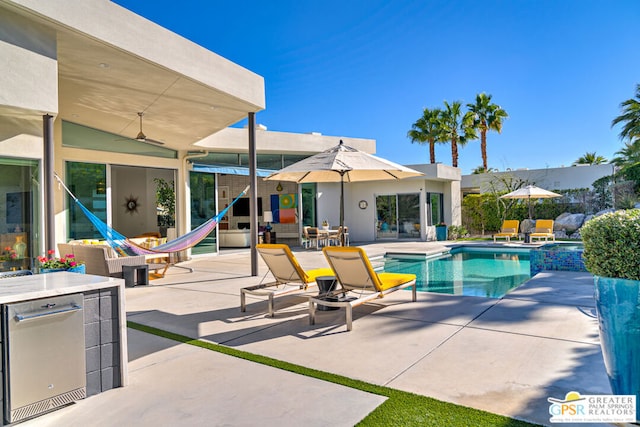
(107, 74)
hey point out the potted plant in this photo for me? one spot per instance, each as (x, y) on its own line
(8, 254)
(68, 262)
(612, 255)
(166, 202)
(9, 259)
(325, 224)
(441, 231)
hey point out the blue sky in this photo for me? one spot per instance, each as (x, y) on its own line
(367, 68)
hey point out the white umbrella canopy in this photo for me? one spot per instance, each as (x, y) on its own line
(342, 163)
(339, 164)
(530, 192)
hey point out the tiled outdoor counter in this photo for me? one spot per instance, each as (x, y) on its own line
(104, 320)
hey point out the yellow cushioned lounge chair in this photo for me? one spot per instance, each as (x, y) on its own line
(359, 283)
(543, 230)
(289, 276)
(508, 230)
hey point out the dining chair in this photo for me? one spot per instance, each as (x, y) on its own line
(315, 237)
(305, 237)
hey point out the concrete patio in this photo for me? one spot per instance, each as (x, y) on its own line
(505, 356)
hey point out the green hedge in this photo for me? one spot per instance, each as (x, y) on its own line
(612, 244)
(484, 213)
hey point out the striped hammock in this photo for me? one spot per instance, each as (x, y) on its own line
(125, 247)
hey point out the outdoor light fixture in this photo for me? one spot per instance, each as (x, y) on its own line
(279, 187)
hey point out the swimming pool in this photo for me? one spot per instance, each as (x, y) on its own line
(485, 272)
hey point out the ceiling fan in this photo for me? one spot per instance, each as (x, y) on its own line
(142, 137)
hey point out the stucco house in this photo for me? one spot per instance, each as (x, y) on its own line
(112, 103)
(561, 178)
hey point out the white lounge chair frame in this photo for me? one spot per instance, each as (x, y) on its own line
(289, 276)
(359, 283)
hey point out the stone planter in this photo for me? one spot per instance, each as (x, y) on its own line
(82, 269)
(618, 306)
(441, 232)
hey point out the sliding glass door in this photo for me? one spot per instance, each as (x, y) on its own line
(309, 216)
(435, 208)
(88, 182)
(203, 207)
(398, 216)
(387, 216)
(408, 216)
(19, 219)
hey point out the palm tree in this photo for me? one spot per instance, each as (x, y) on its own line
(590, 159)
(629, 155)
(480, 169)
(487, 116)
(630, 117)
(456, 127)
(427, 130)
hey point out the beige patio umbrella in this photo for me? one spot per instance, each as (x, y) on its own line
(339, 164)
(530, 192)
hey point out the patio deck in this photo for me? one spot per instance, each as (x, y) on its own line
(504, 356)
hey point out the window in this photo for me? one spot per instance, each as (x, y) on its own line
(88, 182)
(203, 207)
(19, 208)
(387, 216)
(435, 208)
(309, 216)
(409, 215)
(398, 216)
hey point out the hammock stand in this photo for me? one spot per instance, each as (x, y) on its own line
(125, 247)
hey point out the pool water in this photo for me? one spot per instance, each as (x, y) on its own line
(481, 272)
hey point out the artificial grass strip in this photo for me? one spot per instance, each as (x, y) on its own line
(400, 409)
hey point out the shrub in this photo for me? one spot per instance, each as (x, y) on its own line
(482, 212)
(457, 232)
(612, 244)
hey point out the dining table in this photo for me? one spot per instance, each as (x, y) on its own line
(328, 234)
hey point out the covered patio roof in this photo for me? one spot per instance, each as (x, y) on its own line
(113, 64)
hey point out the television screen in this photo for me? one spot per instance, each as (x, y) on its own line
(241, 207)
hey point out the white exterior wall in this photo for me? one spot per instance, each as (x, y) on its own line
(550, 179)
(28, 53)
(28, 62)
(362, 222)
(454, 202)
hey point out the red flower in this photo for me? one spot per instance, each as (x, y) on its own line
(65, 262)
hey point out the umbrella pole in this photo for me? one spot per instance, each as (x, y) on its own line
(342, 207)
